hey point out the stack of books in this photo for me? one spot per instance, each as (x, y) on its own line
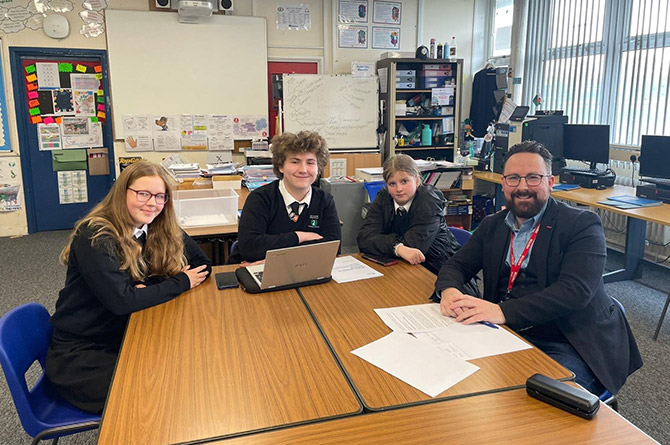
(459, 205)
(258, 175)
(184, 171)
(442, 179)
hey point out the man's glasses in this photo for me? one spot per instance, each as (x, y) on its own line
(144, 196)
(532, 180)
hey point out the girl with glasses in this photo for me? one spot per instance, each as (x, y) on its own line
(127, 254)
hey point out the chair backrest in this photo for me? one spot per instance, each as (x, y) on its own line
(25, 334)
(461, 235)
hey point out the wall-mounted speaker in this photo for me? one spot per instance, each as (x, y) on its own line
(225, 5)
(162, 4)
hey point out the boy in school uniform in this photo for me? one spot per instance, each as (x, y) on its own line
(289, 211)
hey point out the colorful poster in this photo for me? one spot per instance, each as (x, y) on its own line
(385, 38)
(84, 102)
(349, 36)
(48, 136)
(352, 11)
(80, 132)
(9, 198)
(84, 82)
(62, 100)
(386, 12)
(250, 127)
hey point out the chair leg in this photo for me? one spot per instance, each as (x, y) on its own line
(660, 321)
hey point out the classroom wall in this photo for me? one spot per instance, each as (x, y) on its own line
(442, 19)
(439, 18)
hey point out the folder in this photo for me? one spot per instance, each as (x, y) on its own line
(66, 160)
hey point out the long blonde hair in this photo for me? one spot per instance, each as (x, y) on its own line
(110, 219)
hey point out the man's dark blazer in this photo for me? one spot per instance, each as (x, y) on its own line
(569, 257)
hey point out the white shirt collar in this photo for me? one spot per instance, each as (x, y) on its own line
(406, 206)
(144, 229)
(289, 199)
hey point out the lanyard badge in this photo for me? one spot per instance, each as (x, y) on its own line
(515, 267)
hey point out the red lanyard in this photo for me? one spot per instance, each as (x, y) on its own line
(515, 267)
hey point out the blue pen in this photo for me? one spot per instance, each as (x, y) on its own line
(489, 324)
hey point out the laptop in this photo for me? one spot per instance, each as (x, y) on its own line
(302, 265)
(519, 113)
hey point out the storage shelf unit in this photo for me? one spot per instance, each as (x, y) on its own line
(389, 95)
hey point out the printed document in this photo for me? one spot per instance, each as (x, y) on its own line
(464, 341)
(415, 318)
(472, 341)
(416, 363)
(348, 268)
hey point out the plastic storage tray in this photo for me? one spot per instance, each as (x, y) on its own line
(209, 207)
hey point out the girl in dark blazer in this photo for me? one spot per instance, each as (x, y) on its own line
(406, 219)
(126, 255)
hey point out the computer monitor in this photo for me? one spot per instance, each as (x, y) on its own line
(589, 143)
(654, 154)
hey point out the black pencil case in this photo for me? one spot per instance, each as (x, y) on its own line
(566, 397)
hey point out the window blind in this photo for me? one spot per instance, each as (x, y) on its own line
(601, 62)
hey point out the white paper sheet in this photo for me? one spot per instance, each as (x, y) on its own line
(473, 341)
(415, 318)
(418, 364)
(348, 268)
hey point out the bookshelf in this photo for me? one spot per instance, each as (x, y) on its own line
(399, 69)
(456, 183)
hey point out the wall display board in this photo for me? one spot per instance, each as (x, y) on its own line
(343, 109)
(159, 66)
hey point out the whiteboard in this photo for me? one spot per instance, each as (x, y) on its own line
(342, 109)
(160, 66)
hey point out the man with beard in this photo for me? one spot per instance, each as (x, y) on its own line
(542, 263)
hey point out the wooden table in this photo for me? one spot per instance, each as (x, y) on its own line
(506, 417)
(214, 363)
(636, 223)
(345, 313)
(219, 236)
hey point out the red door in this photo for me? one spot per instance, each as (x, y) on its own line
(275, 71)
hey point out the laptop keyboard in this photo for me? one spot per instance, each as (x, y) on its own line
(259, 276)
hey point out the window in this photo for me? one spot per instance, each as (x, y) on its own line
(601, 61)
(502, 28)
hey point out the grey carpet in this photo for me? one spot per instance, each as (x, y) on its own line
(31, 272)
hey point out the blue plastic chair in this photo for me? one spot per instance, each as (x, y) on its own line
(25, 334)
(461, 235)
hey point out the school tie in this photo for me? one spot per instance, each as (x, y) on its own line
(401, 213)
(295, 207)
(141, 239)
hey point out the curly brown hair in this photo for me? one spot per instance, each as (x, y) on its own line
(303, 142)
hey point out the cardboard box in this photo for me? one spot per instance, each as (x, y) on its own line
(227, 181)
(98, 161)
